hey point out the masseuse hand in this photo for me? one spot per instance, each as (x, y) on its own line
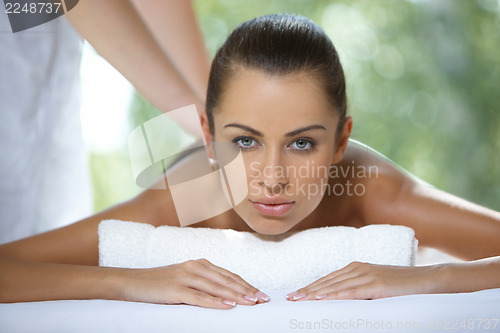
(368, 281)
(194, 282)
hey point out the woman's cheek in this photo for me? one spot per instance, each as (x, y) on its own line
(310, 190)
(254, 189)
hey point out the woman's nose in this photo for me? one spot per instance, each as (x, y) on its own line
(274, 173)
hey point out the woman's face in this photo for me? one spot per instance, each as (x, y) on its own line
(286, 130)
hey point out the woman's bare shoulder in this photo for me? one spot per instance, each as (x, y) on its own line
(380, 182)
(365, 157)
(439, 219)
(360, 179)
(365, 166)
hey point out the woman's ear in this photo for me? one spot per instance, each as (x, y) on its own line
(343, 139)
(206, 132)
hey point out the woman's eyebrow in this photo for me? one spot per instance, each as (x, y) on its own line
(246, 128)
(304, 129)
(292, 133)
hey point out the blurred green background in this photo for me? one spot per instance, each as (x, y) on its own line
(423, 85)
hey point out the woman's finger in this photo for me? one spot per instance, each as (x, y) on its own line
(220, 282)
(216, 289)
(334, 280)
(203, 299)
(232, 275)
(354, 288)
(349, 271)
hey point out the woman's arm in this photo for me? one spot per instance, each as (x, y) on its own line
(367, 281)
(60, 264)
(195, 282)
(440, 220)
(25, 281)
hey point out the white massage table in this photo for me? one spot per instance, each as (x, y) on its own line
(465, 312)
(477, 312)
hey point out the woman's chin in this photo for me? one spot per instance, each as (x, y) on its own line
(266, 226)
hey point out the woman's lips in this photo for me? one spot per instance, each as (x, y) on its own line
(272, 207)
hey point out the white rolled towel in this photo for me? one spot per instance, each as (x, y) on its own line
(286, 261)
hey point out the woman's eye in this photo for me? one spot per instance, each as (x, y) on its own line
(245, 142)
(302, 144)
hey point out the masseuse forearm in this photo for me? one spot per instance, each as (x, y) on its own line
(186, 50)
(22, 281)
(116, 31)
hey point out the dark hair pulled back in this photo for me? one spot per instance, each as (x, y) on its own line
(279, 44)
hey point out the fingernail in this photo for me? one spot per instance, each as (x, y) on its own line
(251, 298)
(292, 294)
(262, 296)
(301, 296)
(232, 303)
(321, 297)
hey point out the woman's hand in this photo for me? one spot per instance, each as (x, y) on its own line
(368, 281)
(194, 282)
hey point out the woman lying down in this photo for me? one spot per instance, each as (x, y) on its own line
(276, 92)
